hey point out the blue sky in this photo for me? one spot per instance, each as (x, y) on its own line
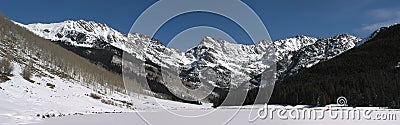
(283, 18)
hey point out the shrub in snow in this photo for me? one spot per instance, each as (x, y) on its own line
(3, 78)
(95, 96)
(52, 86)
(6, 66)
(27, 72)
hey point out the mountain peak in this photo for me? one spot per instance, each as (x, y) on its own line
(382, 30)
(210, 41)
(347, 39)
(343, 36)
(295, 43)
(78, 33)
(81, 21)
(303, 37)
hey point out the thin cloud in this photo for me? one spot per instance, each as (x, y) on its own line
(375, 26)
(384, 14)
(382, 18)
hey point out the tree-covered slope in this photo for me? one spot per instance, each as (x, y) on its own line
(366, 76)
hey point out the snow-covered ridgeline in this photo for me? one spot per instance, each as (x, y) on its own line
(293, 54)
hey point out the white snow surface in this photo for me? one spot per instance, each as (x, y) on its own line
(232, 116)
(23, 102)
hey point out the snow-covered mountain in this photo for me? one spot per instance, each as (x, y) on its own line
(92, 35)
(228, 63)
(46, 81)
(313, 51)
(375, 33)
(79, 33)
(227, 60)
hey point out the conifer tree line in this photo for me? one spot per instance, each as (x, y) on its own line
(366, 76)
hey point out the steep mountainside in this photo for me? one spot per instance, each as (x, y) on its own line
(366, 76)
(44, 80)
(312, 52)
(80, 33)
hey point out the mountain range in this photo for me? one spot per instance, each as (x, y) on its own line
(324, 67)
(231, 65)
(293, 54)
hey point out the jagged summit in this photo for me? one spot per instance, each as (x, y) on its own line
(79, 33)
(294, 44)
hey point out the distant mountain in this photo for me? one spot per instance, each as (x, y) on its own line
(79, 33)
(233, 65)
(304, 52)
(366, 76)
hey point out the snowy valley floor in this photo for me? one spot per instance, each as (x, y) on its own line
(23, 102)
(240, 119)
(54, 101)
